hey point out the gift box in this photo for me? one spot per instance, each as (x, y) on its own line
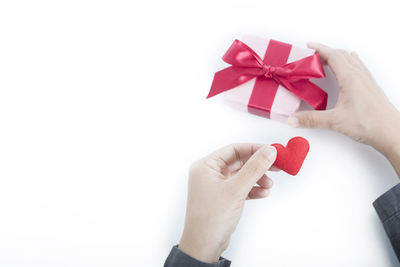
(269, 78)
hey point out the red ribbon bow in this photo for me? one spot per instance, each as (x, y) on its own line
(270, 73)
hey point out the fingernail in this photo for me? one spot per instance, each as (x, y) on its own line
(293, 121)
(312, 44)
(265, 193)
(270, 152)
(270, 183)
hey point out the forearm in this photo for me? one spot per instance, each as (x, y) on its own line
(386, 138)
(394, 158)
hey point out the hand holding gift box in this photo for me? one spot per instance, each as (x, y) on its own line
(274, 86)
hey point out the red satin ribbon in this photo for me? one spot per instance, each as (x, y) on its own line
(270, 72)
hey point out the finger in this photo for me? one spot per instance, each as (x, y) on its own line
(255, 167)
(257, 192)
(348, 57)
(324, 51)
(312, 119)
(235, 154)
(274, 169)
(265, 182)
(333, 57)
(353, 60)
(357, 59)
(236, 166)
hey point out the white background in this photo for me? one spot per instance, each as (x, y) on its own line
(102, 110)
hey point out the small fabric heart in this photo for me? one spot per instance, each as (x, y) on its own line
(290, 158)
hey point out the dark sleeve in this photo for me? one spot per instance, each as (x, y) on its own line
(177, 258)
(388, 208)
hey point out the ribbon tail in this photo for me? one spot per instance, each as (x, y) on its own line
(308, 92)
(230, 78)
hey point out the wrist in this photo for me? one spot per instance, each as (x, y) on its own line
(200, 248)
(385, 134)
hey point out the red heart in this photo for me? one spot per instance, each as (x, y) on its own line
(291, 157)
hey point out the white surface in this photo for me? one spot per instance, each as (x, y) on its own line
(102, 109)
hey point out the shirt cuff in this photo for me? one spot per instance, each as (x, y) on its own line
(387, 207)
(178, 258)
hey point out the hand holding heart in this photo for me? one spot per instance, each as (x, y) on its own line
(219, 185)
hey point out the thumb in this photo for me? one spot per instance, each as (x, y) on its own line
(256, 166)
(311, 119)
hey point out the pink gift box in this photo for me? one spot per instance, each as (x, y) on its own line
(284, 102)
